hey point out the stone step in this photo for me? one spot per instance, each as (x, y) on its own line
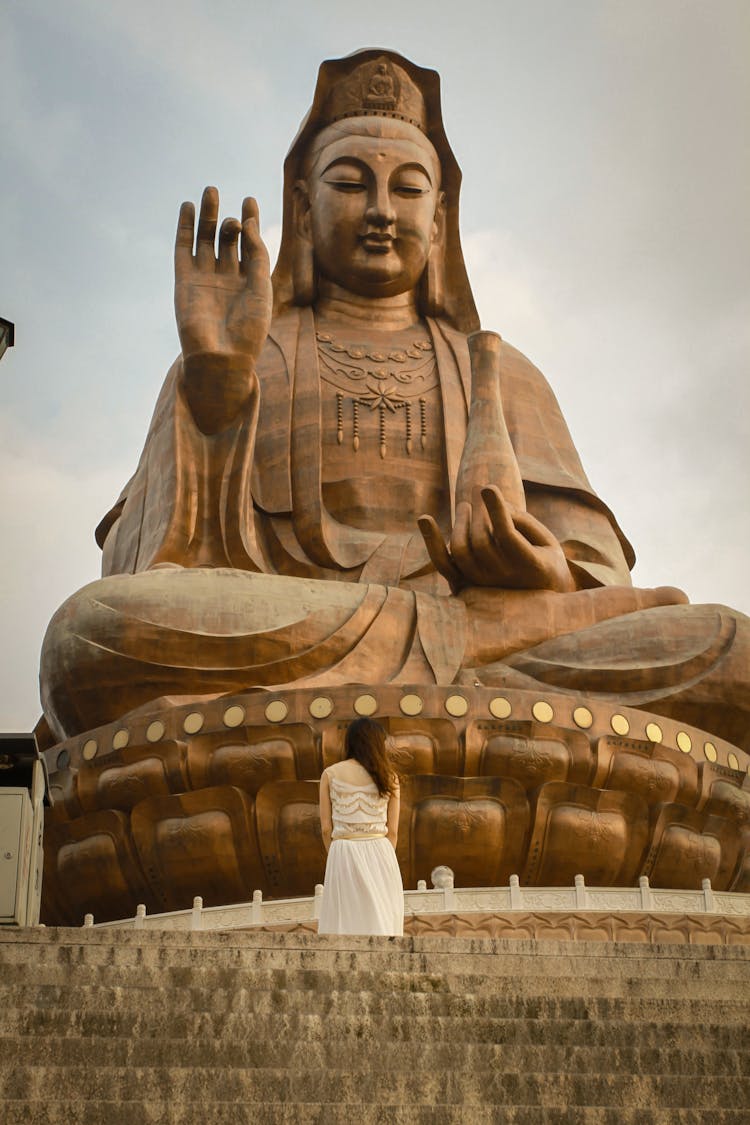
(304, 972)
(705, 1004)
(225, 992)
(373, 1049)
(371, 1006)
(679, 1032)
(246, 951)
(204, 1086)
(311, 1113)
(123, 1028)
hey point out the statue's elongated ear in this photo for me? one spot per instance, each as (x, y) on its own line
(301, 200)
(303, 260)
(439, 224)
(433, 279)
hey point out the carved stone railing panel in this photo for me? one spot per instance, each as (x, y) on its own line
(574, 913)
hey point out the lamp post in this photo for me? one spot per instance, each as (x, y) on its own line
(7, 335)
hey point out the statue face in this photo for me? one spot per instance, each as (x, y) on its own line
(373, 197)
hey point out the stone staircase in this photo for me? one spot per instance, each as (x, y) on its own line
(112, 1027)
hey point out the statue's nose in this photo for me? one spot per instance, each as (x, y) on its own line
(380, 210)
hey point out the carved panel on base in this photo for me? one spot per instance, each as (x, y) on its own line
(219, 797)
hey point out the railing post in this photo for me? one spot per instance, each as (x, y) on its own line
(516, 894)
(708, 897)
(317, 900)
(442, 880)
(646, 899)
(196, 917)
(139, 922)
(88, 920)
(257, 908)
(581, 896)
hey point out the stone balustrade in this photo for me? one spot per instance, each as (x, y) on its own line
(447, 899)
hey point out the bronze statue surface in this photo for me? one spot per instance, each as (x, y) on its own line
(347, 487)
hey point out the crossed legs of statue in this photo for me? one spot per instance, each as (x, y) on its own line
(123, 641)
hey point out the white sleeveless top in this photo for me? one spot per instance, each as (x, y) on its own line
(356, 809)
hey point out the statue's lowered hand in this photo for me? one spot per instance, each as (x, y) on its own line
(494, 544)
(223, 304)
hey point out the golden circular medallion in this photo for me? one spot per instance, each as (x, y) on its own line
(710, 751)
(732, 761)
(456, 705)
(234, 716)
(500, 707)
(120, 739)
(582, 717)
(619, 724)
(411, 704)
(276, 711)
(193, 722)
(365, 705)
(684, 741)
(155, 730)
(321, 707)
(654, 733)
(89, 749)
(542, 711)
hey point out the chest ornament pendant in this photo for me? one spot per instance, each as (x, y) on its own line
(391, 383)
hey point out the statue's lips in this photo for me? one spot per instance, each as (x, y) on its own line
(377, 243)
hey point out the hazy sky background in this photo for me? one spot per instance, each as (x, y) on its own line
(606, 157)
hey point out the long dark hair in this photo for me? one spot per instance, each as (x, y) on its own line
(366, 743)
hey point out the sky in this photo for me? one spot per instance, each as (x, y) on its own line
(605, 150)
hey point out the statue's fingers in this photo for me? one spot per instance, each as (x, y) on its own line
(250, 209)
(480, 527)
(437, 550)
(533, 530)
(500, 516)
(255, 262)
(461, 534)
(462, 546)
(486, 553)
(520, 556)
(207, 219)
(183, 243)
(490, 558)
(229, 260)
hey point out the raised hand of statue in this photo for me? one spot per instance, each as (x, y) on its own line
(223, 304)
(495, 544)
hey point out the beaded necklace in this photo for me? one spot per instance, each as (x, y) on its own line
(386, 381)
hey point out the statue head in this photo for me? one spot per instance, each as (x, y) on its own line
(372, 160)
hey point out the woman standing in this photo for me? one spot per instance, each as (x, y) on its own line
(359, 807)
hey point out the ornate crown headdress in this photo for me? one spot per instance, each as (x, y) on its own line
(379, 88)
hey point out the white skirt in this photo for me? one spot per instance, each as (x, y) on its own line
(363, 892)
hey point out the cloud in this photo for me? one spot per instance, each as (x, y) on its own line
(48, 514)
(190, 42)
(39, 138)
